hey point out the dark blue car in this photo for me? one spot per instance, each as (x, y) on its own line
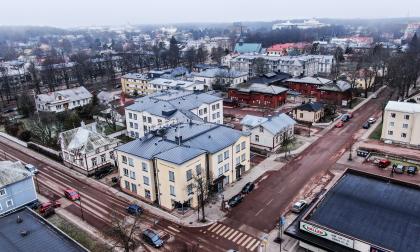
(134, 209)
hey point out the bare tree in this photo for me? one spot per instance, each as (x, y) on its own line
(124, 232)
(202, 184)
(288, 141)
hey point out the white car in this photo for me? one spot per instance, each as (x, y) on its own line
(31, 168)
(299, 206)
(371, 120)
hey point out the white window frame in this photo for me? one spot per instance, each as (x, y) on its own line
(7, 203)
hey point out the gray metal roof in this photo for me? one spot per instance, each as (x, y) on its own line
(310, 80)
(42, 236)
(275, 124)
(180, 154)
(260, 88)
(72, 94)
(336, 86)
(379, 211)
(146, 147)
(311, 106)
(12, 172)
(220, 72)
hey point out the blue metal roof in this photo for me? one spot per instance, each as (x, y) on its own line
(146, 148)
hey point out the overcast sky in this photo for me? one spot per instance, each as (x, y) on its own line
(70, 13)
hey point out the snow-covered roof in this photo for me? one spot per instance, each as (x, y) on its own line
(72, 94)
(84, 139)
(310, 80)
(260, 88)
(11, 172)
(405, 107)
(275, 124)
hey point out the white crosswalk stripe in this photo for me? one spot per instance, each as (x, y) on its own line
(218, 230)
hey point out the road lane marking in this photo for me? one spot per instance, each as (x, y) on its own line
(224, 232)
(221, 229)
(215, 228)
(237, 237)
(259, 212)
(255, 246)
(228, 233)
(243, 238)
(232, 235)
(246, 241)
(268, 203)
(174, 229)
(212, 226)
(251, 243)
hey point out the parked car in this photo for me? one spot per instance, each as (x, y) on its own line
(31, 168)
(399, 168)
(71, 194)
(299, 206)
(371, 120)
(99, 174)
(412, 170)
(35, 205)
(134, 209)
(235, 200)
(366, 125)
(152, 238)
(362, 153)
(248, 187)
(339, 124)
(48, 212)
(345, 118)
(383, 163)
(50, 204)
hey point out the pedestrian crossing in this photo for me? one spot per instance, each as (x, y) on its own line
(241, 239)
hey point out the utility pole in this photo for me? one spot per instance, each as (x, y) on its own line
(350, 153)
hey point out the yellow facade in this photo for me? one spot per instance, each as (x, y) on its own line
(130, 85)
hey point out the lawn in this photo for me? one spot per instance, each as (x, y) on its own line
(377, 133)
(109, 129)
(78, 234)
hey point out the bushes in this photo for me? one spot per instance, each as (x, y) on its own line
(25, 135)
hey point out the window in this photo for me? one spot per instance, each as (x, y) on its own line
(403, 135)
(2, 191)
(227, 167)
(103, 158)
(189, 175)
(111, 154)
(135, 116)
(130, 115)
(391, 124)
(149, 119)
(159, 121)
(238, 148)
(238, 161)
(130, 162)
(172, 190)
(190, 189)
(220, 171)
(133, 188)
(127, 185)
(131, 125)
(205, 110)
(393, 115)
(257, 138)
(132, 175)
(226, 154)
(390, 132)
(144, 166)
(243, 157)
(136, 126)
(144, 119)
(243, 145)
(198, 169)
(300, 115)
(146, 180)
(406, 117)
(125, 172)
(147, 194)
(405, 126)
(219, 158)
(214, 116)
(124, 159)
(145, 128)
(200, 112)
(171, 176)
(9, 203)
(94, 163)
(261, 129)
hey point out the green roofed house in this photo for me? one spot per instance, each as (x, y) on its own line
(242, 47)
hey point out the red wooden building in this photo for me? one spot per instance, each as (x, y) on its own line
(307, 86)
(260, 95)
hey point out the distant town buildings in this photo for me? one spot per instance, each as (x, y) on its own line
(411, 29)
(307, 24)
(268, 133)
(241, 47)
(17, 187)
(165, 166)
(220, 76)
(170, 107)
(401, 123)
(288, 49)
(63, 100)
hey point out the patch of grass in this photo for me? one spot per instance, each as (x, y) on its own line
(78, 234)
(377, 133)
(125, 139)
(109, 129)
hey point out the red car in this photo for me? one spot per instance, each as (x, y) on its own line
(71, 194)
(340, 124)
(384, 163)
(50, 204)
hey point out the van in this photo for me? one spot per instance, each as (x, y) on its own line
(31, 168)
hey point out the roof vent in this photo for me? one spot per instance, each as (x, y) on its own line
(19, 219)
(209, 136)
(24, 233)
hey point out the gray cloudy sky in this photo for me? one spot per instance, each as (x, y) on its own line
(69, 13)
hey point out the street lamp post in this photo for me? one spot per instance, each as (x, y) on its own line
(350, 153)
(81, 208)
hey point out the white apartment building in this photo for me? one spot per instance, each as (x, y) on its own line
(268, 133)
(63, 100)
(170, 107)
(222, 76)
(86, 150)
(401, 123)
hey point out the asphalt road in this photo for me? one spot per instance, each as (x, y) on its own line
(262, 208)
